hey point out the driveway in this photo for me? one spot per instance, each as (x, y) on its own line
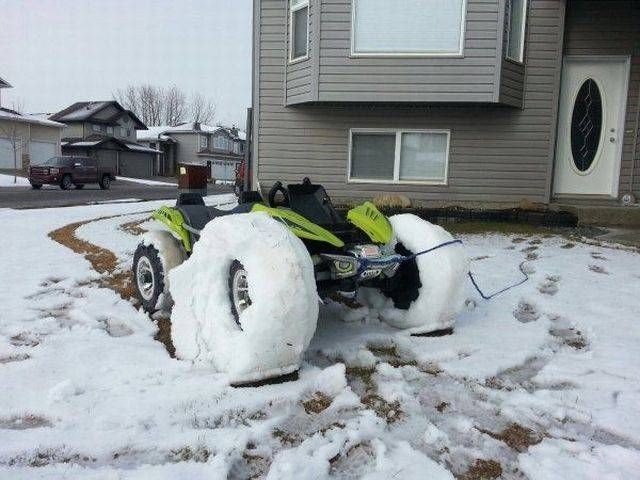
(51, 196)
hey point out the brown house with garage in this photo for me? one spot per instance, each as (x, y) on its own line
(107, 132)
(471, 102)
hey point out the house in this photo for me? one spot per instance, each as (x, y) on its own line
(106, 131)
(193, 142)
(471, 102)
(3, 84)
(26, 139)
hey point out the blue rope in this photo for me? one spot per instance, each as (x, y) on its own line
(471, 277)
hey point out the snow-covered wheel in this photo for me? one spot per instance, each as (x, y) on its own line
(246, 300)
(429, 292)
(157, 254)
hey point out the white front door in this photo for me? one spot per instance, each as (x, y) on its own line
(590, 126)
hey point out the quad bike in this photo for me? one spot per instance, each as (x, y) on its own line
(244, 284)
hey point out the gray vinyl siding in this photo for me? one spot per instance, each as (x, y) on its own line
(365, 79)
(512, 78)
(612, 27)
(301, 76)
(498, 154)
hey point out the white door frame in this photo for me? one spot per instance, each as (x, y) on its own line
(621, 120)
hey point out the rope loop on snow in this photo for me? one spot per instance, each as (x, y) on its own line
(471, 277)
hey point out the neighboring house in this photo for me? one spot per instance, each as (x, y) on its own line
(192, 142)
(3, 84)
(106, 131)
(34, 140)
(464, 101)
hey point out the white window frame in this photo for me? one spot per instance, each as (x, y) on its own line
(523, 31)
(396, 162)
(292, 10)
(458, 54)
(204, 142)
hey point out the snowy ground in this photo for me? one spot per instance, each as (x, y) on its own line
(540, 383)
(144, 181)
(8, 181)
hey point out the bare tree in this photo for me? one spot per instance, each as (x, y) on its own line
(168, 106)
(13, 131)
(175, 106)
(202, 109)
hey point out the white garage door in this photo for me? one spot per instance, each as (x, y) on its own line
(40, 152)
(6, 154)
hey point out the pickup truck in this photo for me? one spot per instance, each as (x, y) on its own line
(70, 170)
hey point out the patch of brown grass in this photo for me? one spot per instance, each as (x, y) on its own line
(101, 259)
(164, 336)
(389, 411)
(318, 403)
(515, 436)
(134, 227)
(482, 470)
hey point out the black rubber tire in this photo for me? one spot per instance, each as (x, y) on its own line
(105, 182)
(150, 253)
(405, 285)
(66, 182)
(79, 186)
(235, 266)
(36, 186)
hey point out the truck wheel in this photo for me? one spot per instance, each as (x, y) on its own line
(65, 183)
(79, 186)
(105, 182)
(428, 292)
(157, 254)
(246, 299)
(36, 186)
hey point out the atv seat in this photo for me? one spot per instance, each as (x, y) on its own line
(196, 214)
(313, 203)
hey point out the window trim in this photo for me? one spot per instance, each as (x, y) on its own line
(396, 161)
(523, 32)
(292, 10)
(204, 142)
(458, 54)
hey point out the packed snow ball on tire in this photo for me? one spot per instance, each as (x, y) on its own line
(433, 295)
(273, 331)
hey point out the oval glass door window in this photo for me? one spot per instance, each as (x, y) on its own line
(586, 125)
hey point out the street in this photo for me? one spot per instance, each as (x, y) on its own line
(53, 196)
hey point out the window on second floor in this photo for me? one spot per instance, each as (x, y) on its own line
(204, 142)
(408, 27)
(298, 29)
(516, 28)
(123, 132)
(220, 143)
(236, 148)
(96, 128)
(110, 130)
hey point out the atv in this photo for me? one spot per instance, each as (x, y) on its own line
(243, 285)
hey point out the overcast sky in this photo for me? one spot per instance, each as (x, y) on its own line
(56, 52)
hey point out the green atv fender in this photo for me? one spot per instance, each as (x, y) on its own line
(173, 219)
(366, 217)
(369, 219)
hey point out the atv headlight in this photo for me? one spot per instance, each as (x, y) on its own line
(342, 266)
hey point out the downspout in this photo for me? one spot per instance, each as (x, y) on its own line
(634, 151)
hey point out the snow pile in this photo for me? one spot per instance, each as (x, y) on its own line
(279, 324)
(442, 274)
(8, 181)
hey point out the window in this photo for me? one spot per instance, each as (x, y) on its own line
(236, 148)
(204, 142)
(96, 127)
(399, 156)
(516, 24)
(123, 132)
(408, 27)
(298, 29)
(110, 130)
